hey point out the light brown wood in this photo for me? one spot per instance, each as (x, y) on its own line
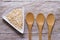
(29, 21)
(40, 22)
(50, 22)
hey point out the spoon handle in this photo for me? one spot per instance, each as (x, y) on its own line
(30, 34)
(40, 36)
(49, 36)
(49, 32)
(40, 32)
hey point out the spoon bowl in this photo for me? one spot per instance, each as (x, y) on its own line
(50, 19)
(29, 18)
(40, 19)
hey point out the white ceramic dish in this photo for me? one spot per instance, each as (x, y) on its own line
(4, 17)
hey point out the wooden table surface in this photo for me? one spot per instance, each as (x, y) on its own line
(9, 33)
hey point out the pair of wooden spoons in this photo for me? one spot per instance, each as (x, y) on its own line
(50, 21)
(40, 21)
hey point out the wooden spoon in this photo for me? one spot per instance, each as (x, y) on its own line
(40, 22)
(29, 21)
(50, 22)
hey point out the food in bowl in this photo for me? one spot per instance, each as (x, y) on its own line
(16, 18)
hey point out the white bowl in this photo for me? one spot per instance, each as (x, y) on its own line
(4, 17)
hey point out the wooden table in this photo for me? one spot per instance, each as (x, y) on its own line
(9, 33)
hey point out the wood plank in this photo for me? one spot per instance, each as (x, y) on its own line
(9, 37)
(25, 37)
